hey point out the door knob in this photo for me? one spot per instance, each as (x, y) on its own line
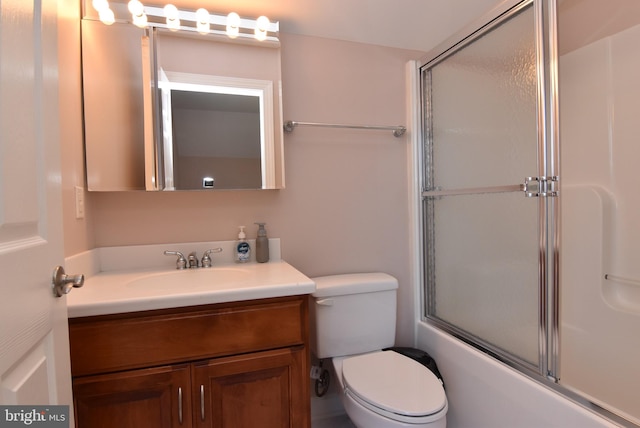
(62, 283)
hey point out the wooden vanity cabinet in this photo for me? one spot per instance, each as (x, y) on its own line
(232, 365)
(254, 390)
(156, 397)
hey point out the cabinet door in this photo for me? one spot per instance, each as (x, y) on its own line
(264, 389)
(146, 398)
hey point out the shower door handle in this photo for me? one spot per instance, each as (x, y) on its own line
(541, 186)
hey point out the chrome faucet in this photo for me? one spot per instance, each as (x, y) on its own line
(206, 259)
(181, 263)
(193, 260)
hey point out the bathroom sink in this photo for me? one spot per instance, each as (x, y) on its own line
(162, 287)
(190, 279)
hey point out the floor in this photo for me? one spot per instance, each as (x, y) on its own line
(327, 411)
(340, 421)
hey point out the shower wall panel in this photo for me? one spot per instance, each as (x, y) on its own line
(600, 152)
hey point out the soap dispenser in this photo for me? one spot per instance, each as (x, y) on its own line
(262, 244)
(242, 248)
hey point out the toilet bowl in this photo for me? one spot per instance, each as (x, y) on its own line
(387, 389)
(353, 320)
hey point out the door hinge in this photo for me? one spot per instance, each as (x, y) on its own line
(541, 186)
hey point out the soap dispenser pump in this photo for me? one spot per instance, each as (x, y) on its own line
(242, 248)
(262, 244)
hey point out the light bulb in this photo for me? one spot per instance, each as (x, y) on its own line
(171, 12)
(107, 17)
(100, 5)
(140, 20)
(136, 8)
(233, 25)
(262, 25)
(202, 18)
(173, 17)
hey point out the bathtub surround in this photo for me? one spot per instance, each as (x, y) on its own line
(601, 234)
(484, 393)
(594, 337)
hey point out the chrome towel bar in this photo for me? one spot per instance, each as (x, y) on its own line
(397, 130)
(621, 279)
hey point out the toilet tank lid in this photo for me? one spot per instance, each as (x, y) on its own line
(354, 283)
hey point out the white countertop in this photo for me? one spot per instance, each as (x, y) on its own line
(113, 291)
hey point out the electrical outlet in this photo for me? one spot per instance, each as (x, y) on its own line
(79, 202)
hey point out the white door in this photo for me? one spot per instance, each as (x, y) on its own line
(34, 355)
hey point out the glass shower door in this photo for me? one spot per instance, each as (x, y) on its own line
(483, 238)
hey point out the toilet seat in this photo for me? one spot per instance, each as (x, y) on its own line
(394, 386)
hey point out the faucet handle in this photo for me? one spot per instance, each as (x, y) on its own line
(181, 263)
(206, 259)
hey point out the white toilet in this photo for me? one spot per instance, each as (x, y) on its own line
(353, 318)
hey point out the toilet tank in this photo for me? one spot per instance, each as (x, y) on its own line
(353, 314)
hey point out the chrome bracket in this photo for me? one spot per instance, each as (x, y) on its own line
(541, 186)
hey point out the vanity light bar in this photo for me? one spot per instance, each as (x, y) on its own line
(105, 13)
(232, 25)
(218, 23)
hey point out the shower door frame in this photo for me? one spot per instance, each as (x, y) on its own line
(547, 142)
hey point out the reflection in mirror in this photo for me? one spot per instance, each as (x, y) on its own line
(113, 106)
(212, 142)
(233, 71)
(217, 132)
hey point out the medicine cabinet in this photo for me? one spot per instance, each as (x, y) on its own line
(168, 111)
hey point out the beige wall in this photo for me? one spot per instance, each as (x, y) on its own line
(345, 207)
(78, 233)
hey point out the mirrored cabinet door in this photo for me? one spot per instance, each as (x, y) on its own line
(113, 106)
(180, 111)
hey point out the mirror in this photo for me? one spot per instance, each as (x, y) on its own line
(217, 132)
(179, 110)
